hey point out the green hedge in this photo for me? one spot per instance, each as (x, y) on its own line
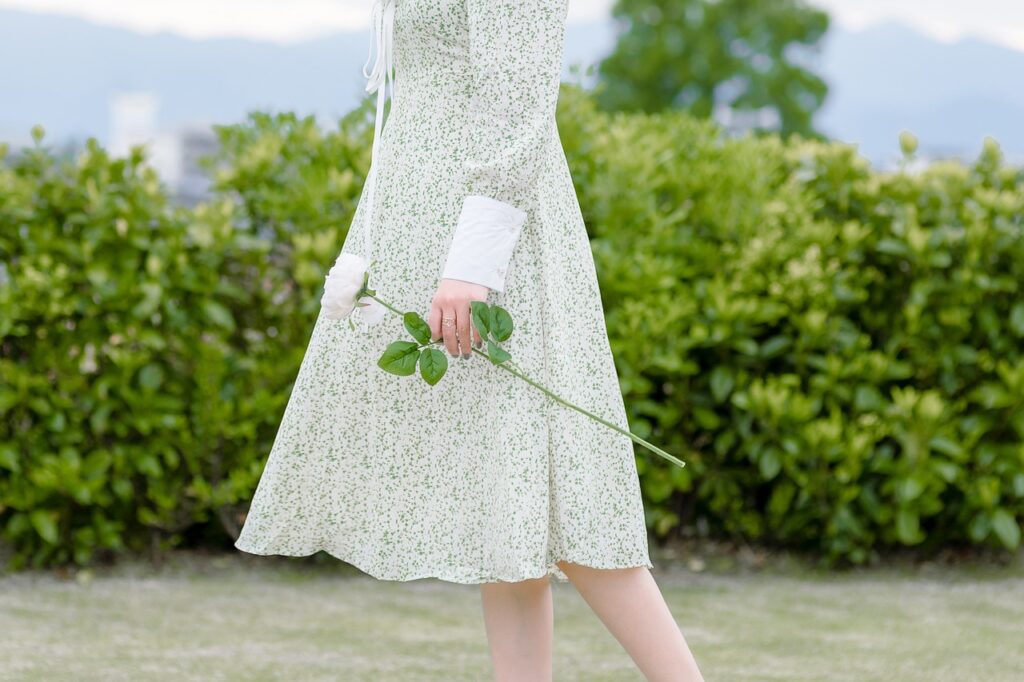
(836, 352)
(148, 350)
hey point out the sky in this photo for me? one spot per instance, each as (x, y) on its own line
(1000, 21)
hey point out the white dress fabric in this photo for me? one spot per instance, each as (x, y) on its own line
(481, 477)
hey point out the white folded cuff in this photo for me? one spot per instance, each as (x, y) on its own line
(484, 238)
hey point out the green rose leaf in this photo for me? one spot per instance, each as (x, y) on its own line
(496, 353)
(480, 313)
(400, 358)
(433, 365)
(416, 326)
(501, 323)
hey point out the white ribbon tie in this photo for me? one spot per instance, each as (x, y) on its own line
(382, 24)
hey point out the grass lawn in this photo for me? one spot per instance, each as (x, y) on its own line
(239, 617)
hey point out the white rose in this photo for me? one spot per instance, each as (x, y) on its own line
(342, 284)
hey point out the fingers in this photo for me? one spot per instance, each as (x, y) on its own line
(462, 322)
(434, 321)
(448, 329)
(477, 339)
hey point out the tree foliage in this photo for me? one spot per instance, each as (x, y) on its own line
(698, 54)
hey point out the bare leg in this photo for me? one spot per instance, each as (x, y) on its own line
(630, 604)
(519, 619)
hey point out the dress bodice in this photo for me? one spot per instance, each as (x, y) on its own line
(483, 76)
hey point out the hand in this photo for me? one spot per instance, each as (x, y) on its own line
(452, 300)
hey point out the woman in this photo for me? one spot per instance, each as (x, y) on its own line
(479, 479)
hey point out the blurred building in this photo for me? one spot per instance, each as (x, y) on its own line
(174, 154)
(740, 121)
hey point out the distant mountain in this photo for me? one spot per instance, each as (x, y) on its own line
(61, 72)
(889, 78)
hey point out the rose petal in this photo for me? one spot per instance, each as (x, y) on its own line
(342, 284)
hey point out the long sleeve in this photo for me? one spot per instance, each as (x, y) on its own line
(516, 49)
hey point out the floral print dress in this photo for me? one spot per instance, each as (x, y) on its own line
(481, 477)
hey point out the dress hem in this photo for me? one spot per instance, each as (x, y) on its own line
(551, 570)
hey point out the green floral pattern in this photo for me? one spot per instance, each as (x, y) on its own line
(480, 478)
